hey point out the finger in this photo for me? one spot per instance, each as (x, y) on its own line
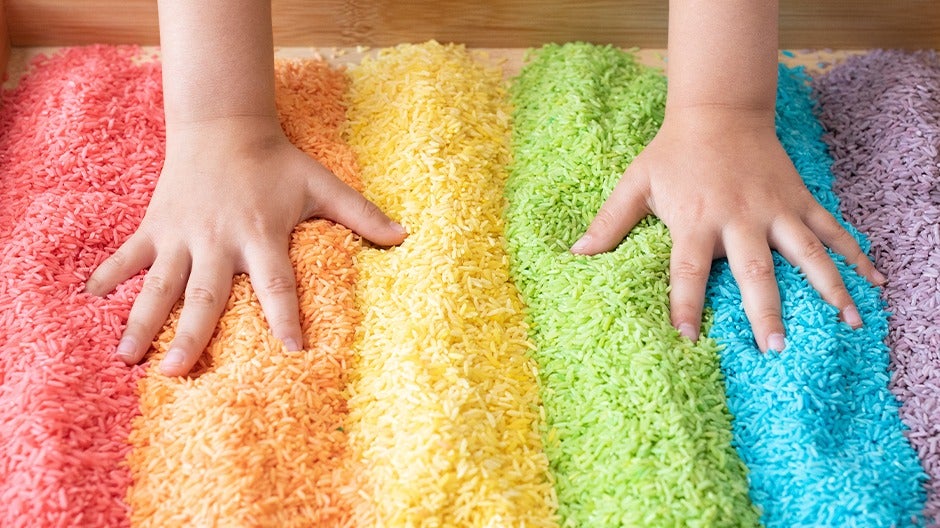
(753, 267)
(622, 210)
(343, 204)
(272, 278)
(801, 248)
(134, 255)
(206, 294)
(162, 287)
(834, 236)
(689, 266)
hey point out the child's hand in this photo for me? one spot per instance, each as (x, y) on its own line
(722, 183)
(230, 194)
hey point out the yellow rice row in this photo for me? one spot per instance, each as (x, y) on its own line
(444, 409)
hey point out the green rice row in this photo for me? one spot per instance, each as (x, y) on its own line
(637, 430)
(444, 409)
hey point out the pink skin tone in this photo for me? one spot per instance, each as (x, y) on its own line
(233, 187)
(719, 179)
(231, 191)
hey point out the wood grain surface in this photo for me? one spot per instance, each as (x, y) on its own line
(510, 60)
(847, 24)
(4, 41)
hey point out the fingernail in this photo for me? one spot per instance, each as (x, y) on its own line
(851, 317)
(878, 278)
(776, 342)
(174, 358)
(581, 244)
(125, 349)
(292, 345)
(688, 331)
(398, 228)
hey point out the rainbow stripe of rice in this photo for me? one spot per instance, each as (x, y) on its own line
(638, 431)
(255, 435)
(444, 410)
(816, 424)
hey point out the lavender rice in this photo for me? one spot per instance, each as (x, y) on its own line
(882, 116)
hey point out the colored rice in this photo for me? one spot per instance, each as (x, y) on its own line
(424, 409)
(255, 437)
(80, 149)
(637, 429)
(444, 407)
(816, 424)
(882, 116)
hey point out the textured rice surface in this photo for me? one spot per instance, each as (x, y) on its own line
(638, 433)
(882, 115)
(81, 145)
(816, 424)
(424, 409)
(255, 436)
(444, 407)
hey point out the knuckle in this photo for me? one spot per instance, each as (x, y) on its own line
(212, 237)
(118, 260)
(768, 318)
(157, 286)
(741, 206)
(690, 271)
(684, 311)
(813, 250)
(283, 321)
(201, 295)
(260, 226)
(837, 295)
(842, 237)
(692, 213)
(603, 220)
(280, 284)
(140, 330)
(863, 265)
(185, 341)
(94, 284)
(858, 257)
(757, 270)
(369, 210)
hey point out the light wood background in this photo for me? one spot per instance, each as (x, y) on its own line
(846, 24)
(502, 24)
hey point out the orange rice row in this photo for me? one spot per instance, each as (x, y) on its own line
(256, 436)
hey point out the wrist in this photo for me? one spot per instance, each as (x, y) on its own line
(222, 122)
(242, 132)
(719, 117)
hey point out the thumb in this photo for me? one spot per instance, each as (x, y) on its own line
(341, 203)
(625, 206)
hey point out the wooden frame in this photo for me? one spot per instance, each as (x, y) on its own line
(4, 43)
(845, 24)
(504, 26)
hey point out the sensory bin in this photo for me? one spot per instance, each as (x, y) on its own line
(479, 374)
